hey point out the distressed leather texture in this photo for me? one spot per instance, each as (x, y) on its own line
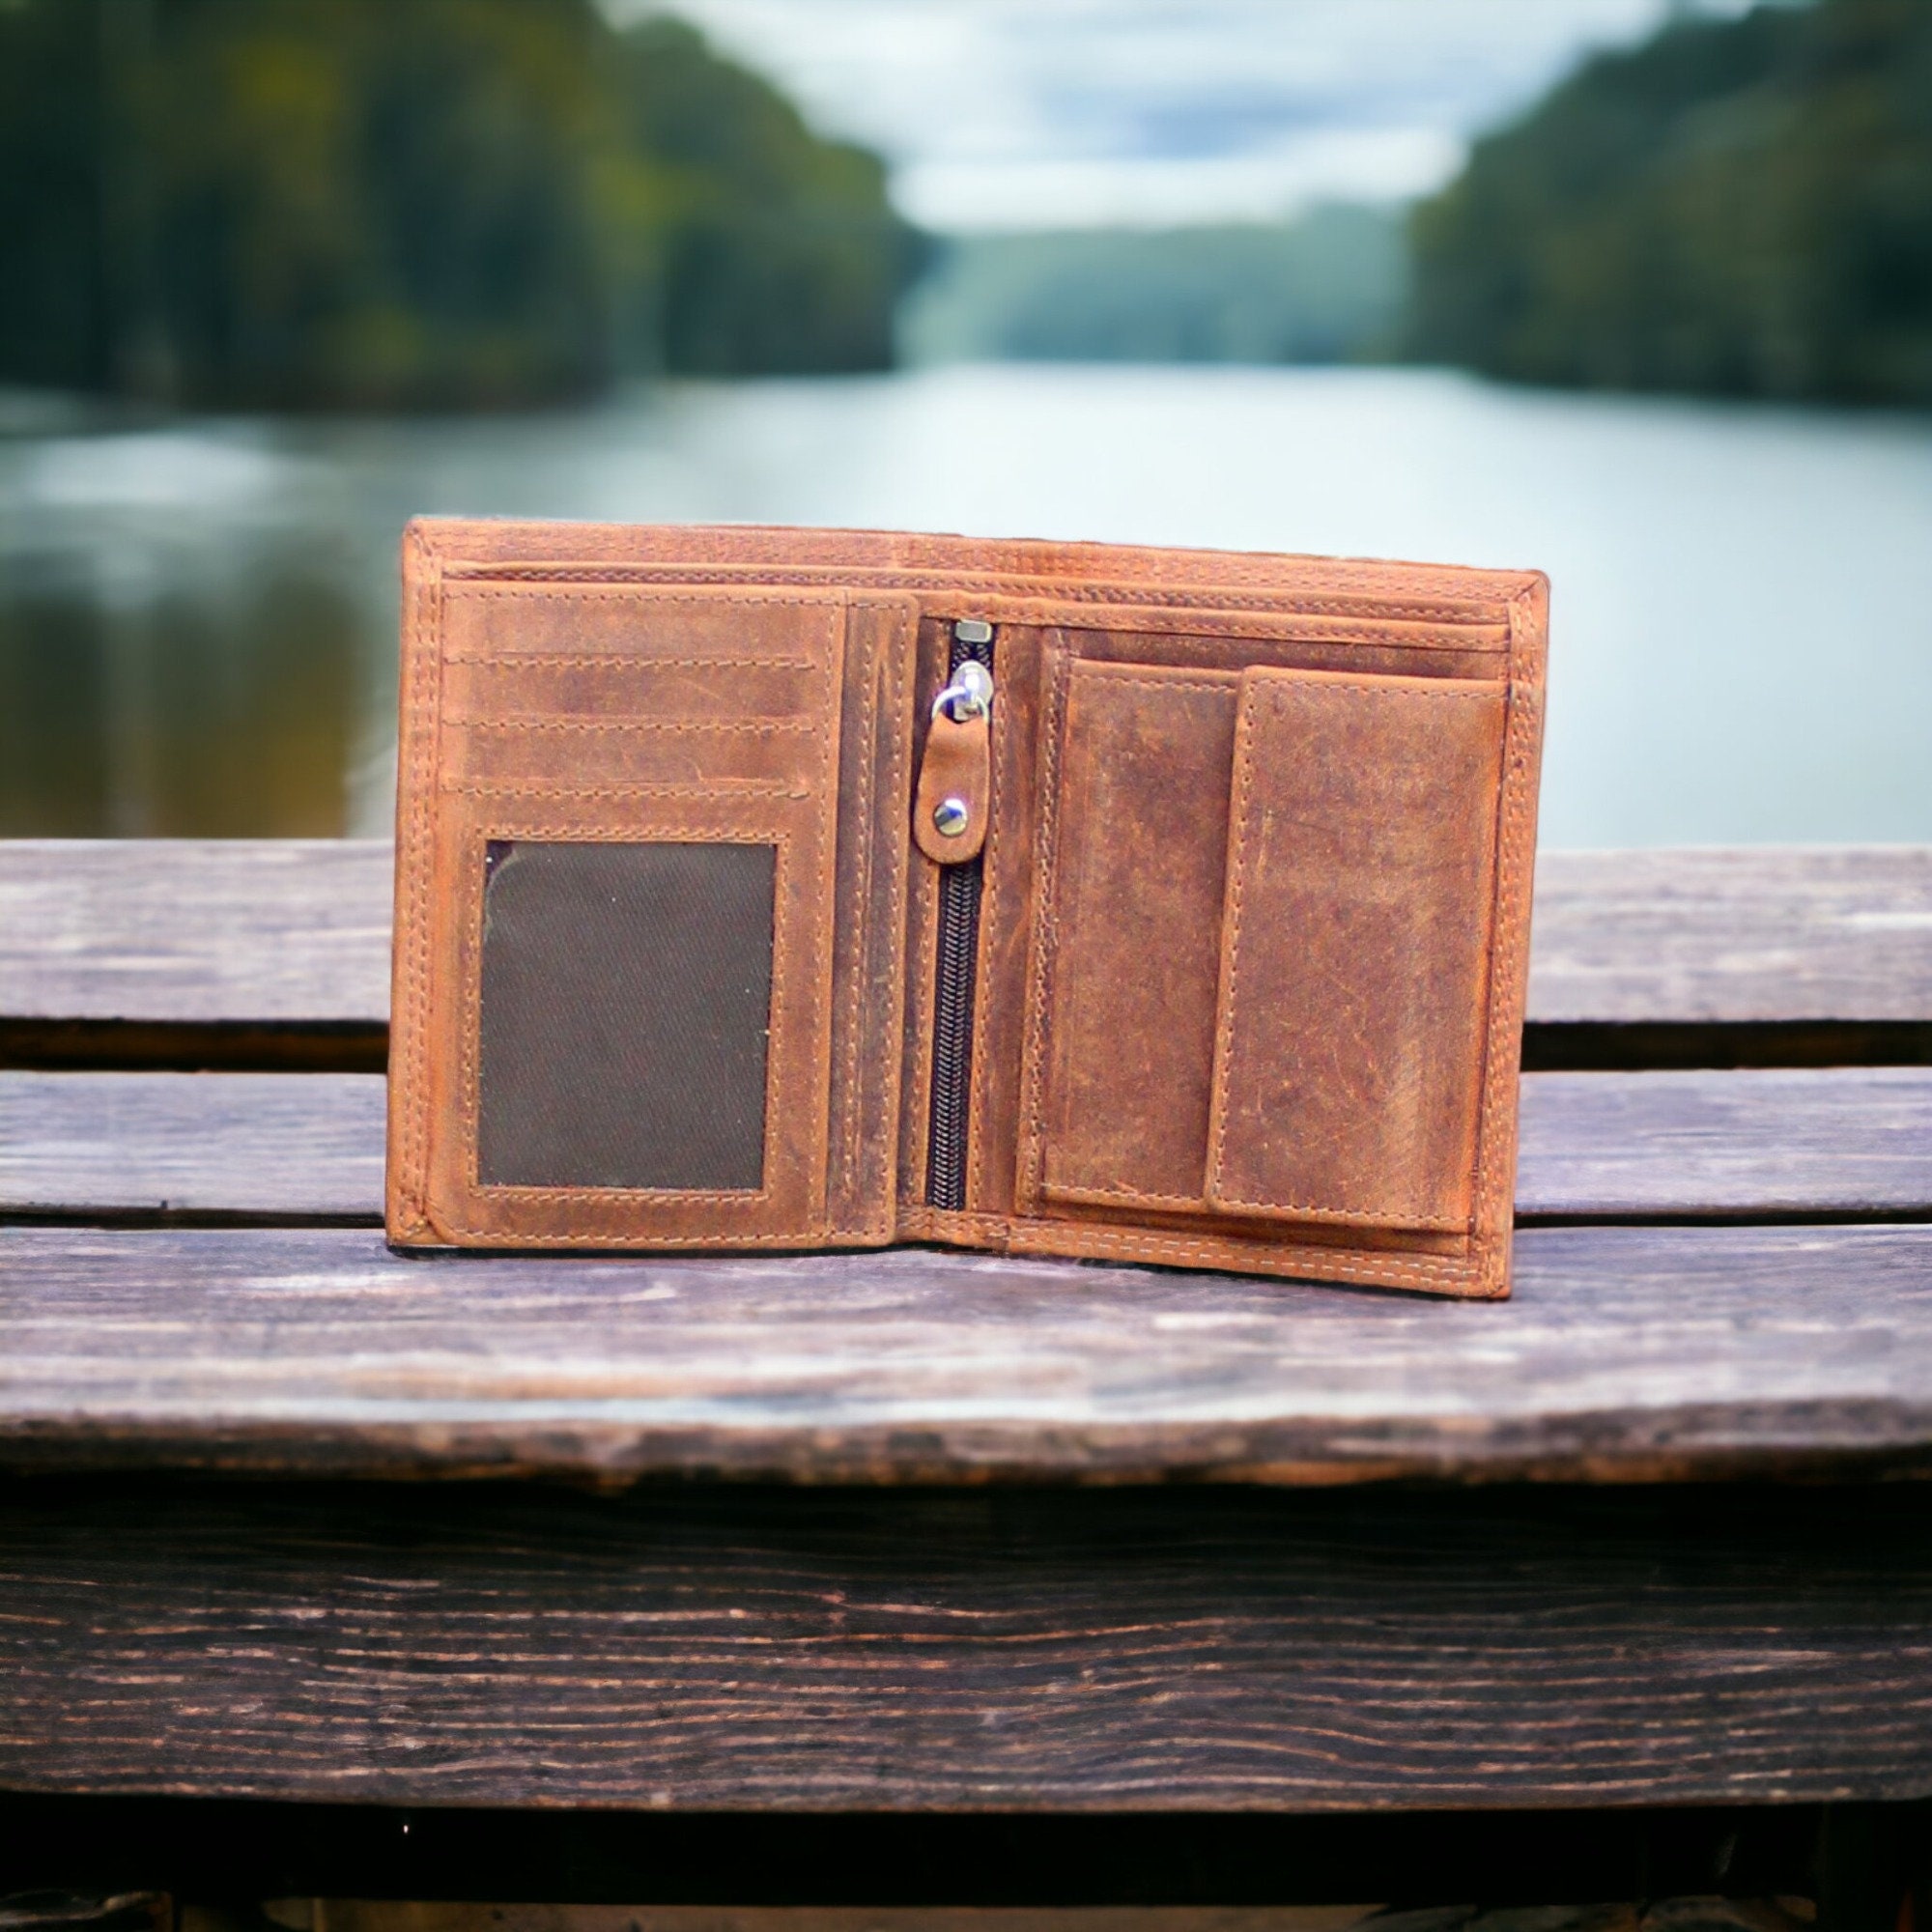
(1253, 836)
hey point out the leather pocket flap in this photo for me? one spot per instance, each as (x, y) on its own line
(1355, 948)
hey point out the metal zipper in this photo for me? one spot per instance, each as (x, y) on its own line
(958, 955)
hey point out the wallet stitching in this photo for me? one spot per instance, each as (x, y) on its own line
(605, 581)
(889, 670)
(1209, 616)
(799, 1237)
(1493, 1172)
(1387, 1217)
(1420, 1273)
(1417, 1271)
(515, 659)
(1423, 691)
(1002, 784)
(428, 699)
(1046, 873)
(1189, 1204)
(1233, 593)
(824, 910)
(424, 676)
(642, 788)
(1500, 980)
(1505, 989)
(729, 597)
(1299, 626)
(851, 1126)
(757, 727)
(1197, 1205)
(1146, 676)
(905, 635)
(668, 1196)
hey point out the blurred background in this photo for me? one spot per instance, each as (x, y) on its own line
(1637, 293)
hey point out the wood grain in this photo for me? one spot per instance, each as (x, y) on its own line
(181, 929)
(1843, 1141)
(1750, 934)
(1628, 1353)
(836, 1651)
(241, 930)
(1752, 1143)
(270, 1146)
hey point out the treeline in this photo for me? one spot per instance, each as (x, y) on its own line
(1327, 286)
(386, 204)
(1739, 207)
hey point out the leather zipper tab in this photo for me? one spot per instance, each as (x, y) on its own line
(951, 805)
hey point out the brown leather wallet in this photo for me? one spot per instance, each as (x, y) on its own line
(764, 889)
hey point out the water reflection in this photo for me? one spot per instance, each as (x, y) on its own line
(174, 712)
(197, 620)
(182, 639)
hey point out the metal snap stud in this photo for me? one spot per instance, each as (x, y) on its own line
(950, 816)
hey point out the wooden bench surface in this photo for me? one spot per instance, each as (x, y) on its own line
(1724, 1272)
(1698, 1290)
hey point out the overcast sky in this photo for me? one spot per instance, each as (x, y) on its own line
(1039, 113)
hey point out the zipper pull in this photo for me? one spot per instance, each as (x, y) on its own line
(950, 814)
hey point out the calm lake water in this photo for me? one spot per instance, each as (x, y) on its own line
(197, 619)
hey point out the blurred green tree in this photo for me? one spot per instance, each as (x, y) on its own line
(1739, 207)
(778, 250)
(440, 203)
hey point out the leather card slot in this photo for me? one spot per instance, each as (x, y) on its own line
(1355, 949)
(1122, 1019)
(533, 661)
(681, 625)
(777, 757)
(519, 691)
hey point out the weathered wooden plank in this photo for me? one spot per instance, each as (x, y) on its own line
(183, 930)
(269, 1146)
(1739, 935)
(1844, 1141)
(1755, 1142)
(840, 1651)
(238, 930)
(1628, 1352)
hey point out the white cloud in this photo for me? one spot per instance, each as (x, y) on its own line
(1004, 113)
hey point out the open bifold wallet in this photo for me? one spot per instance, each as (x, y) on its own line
(768, 890)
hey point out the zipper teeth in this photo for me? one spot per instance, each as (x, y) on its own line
(952, 1008)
